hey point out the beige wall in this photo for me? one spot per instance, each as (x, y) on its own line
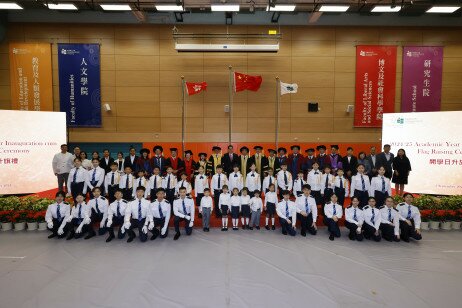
(140, 79)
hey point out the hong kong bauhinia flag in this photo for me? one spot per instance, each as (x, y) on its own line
(246, 82)
(195, 87)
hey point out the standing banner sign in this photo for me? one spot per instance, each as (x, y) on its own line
(80, 84)
(422, 78)
(375, 84)
(31, 77)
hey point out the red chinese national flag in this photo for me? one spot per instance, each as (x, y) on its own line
(195, 87)
(246, 82)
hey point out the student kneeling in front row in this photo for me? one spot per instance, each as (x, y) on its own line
(115, 216)
(354, 219)
(183, 209)
(372, 221)
(332, 214)
(57, 215)
(287, 212)
(135, 216)
(159, 215)
(409, 219)
(308, 214)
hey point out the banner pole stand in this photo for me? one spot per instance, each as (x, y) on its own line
(231, 85)
(278, 86)
(182, 115)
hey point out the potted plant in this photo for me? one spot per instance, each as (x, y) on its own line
(40, 217)
(20, 218)
(5, 219)
(457, 219)
(31, 220)
(424, 215)
(446, 220)
(433, 220)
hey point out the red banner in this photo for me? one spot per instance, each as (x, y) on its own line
(375, 84)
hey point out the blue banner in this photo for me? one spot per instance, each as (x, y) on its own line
(80, 84)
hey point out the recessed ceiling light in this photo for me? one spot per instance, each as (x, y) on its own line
(61, 6)
(169, 7)
(225, 7)
(281, 8)
(443, 9)
(385, 9)
(115, 7)
(334, 8)
(10, 6)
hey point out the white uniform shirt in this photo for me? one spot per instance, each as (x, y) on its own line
(81, 211)
(112, 210)
(356, 183)
(155, 179)
(111, 177)
(169, 181)
(255, 204)
(136, 184)
(253, 181)
(330, 182)
(390, 216)
(80, 177)
(157, 208)
(271, 197)
(201, 182)
(235, 181)
(132, 209)
(206, 202)
(329, 210)
(235, 201)
(245, 199)
(184, 184)
(178, 207)
(52, 213)
(314, 179)
(301, 203)
(345, 184)
(376, 184)
(282, 182)
(406, 209)
(223, 181)
(103, 205)
(287, 206)
(225, 199)
(99, 174)
(267, 181)
(298, 183)
(367, 210)
(123, 181)
(350, 215)
(62, 163)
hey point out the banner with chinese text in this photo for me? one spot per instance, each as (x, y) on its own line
(31, 77)
(375, 84)
(80, 84)
(422, 79)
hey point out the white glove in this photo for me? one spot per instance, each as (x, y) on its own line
(87, 221)
(151, 225)
(109, 223)
(144, 229)
(127, 225)
(69, 219)
(79, 229)
(101, 224)
(122, 229)
(164, 229)
(191, 223)
(187, 217)
(61, 230)
(50, 224)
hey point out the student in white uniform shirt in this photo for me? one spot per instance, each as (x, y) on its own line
(410, 219)
(235, 179)
(252, 180)
(332, 214)
(219, 180)
(99, 206)
(224, 203)
(183, 209)
(314, 180)
(135, 216)
(95, 177)
(354, 219)
(183, 183)
(79, 220)
(307, 211)
(268, 180)
(235, 204)
(341, 187)
(372, 221)
(327, 184)
(169, 184)
(111, 182)
(245, 208)
(360, 186)
(271, 199)
(159, 215)
(201, 182)
(140, 180)
(390, 221)
(287, 212)
(77, 180)
(284, 179)
(62, 164)
(205, 209)
(298, 184)
(57, 215)
(116, 215)
(126, 183)
(256, 206)
(155, 183)
(380, 187)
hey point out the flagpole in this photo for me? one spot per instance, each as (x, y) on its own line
(231, 85)
(182, 115)
(278, 96)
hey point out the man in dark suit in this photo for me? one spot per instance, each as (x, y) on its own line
(350, 163)
(273, 161)
(309, 160)
(295, 161)
(244, 162)
(106, 161)
(229, 160)
(282, 158)
(131, 159)
(386, 159)
(158, 160)
(260, 161)
(374, 162)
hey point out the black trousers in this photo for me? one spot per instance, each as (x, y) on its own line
(380, 198)
(127, 192)
(408, 231)
(176, 223)
(328, 192)
(340, 193)
(117, 221)
(306, 224)
(74, 224)
(97, 218)
(362, 196)
(135, 223)
(369, 232)
(216, 200)
(153, 194)
(158, 225)
(170, 195)
(388, 232)
(110, 193)
(56, 224)
(332, 226)
(76, 188)
(317, 196)
(286, 227)
(198, 199)
(353, 234)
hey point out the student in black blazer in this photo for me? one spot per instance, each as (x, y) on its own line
(386, 160)
(349, 163)
(131, 159)
(106, 161)
(229, 160)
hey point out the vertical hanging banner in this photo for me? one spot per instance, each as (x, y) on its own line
(375, 84)
(80, 84)
(30, 76)
(422, 78)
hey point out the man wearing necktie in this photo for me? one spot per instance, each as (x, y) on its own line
(99, 207)
(332, 214)
(159, 215)
(287, 213)
(116, 212)
(135, 216)
(295, 161)
(183, 209)
(307, 211)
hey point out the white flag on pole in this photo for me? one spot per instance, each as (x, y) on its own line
(287, 88)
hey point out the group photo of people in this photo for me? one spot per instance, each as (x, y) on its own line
(145, 190)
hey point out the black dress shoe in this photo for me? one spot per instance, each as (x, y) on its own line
(130, 239)
(154, 236)
(351, 236)
(207, 230)
(303, 234)
(204, 229)
(177, 236)
(258, 228)
(250, 228)
(226, 228)
(110, 238)
(89, 236)
(52, 235)
(223, 229)
(331, 237)
(284, 232)
(273, 228)
(267, 227)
